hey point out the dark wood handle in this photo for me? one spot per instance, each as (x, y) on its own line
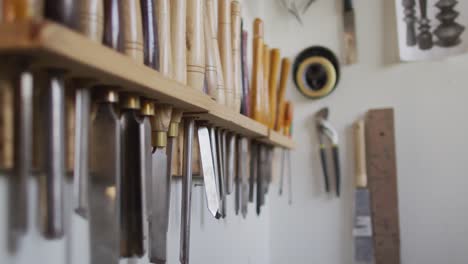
(60, 11)
(112, 24)
(150, 34)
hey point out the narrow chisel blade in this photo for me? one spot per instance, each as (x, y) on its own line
(221, 182)
(253, 170)
(244, 176)
(362, 232)
(146, 163)
(230, 159)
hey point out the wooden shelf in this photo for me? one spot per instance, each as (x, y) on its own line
(51, 45)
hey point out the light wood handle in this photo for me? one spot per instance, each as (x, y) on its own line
(178, 9)
(20, 10)
(132, 29)
(162, 118)
(195, 45)
(360, 148)
(225, 48)
(220, 91)
(257, 73)
(90, 18)
(266, 92)
(236, 53)
(6, 120)
(162, 13)
(210, 67)
(285, 68)
(275, 59)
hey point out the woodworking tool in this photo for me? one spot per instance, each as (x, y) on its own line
(316, 72)
(221, 170)
(150, 34)
(106, 160)
(225, 49)
(90, 23)
(236, 54)
(230, 161)
(189, 125)
(237, 178)
(245, 109)
(383, 186)
(257, 72)
(132, 173)
(243, 175)
(253, 170)
(325, 130)
(210, 59)
(265, 89)
(286, 169)
(216, 169)
(6, 119)
(275, 58)
(195, 45)
(350, 45)
(285, 68)
(261, 174)
(159, 218)
(362, 231)
(147, 111)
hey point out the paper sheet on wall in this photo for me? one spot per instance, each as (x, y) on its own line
(431, 29)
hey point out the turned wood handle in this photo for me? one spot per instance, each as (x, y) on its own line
(178, 9)
(285, 68)
(150, 34)
(265, 91)
(210, 60)
(21, 10)
(90, 19)
(257, 73)
(112, 24)
(236, 53)
(210, 15)
(132, 29)
(162, 118)
(275, 59)
(225, 48)
(162, 12)
(360, 152)
(288, 116)
(195, 45)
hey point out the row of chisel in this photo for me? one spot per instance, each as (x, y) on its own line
(122, 149)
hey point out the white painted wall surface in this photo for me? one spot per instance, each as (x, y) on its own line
(430, 104)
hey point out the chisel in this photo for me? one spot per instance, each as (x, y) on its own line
(52, 105)
(225, 153)
(265, 92)
(230, 161)
(285, 68)
(362, 231)
(160, 185)
(260, 174)
(237, 178)
(253, 170)
(236, 54)
(243, 175)
(150, 34)
(257, 72)
(106, 160)
(221, 171)
(210, 58)
(275, 58)
(225, 49)
(147, 111)
(195, 45)
(245, 109)
(90, 22)
(131, 195)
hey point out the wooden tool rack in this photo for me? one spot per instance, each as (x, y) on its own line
(51, 45)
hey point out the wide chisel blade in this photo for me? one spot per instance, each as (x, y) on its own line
(104, 184)
(207, 167)
(214, 155)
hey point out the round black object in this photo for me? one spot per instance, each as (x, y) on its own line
(316, 72)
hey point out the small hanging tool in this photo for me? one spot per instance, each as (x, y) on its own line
(325, 130)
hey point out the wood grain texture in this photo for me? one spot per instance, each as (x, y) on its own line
(178, 9)
(257, 72)
(236, 53)
(265, 92)
(162, 118)
(360, 153)
(225, 49)
(195, 45)
(210, 61)
(210, 15)
(132, 30)
(6, 121)
(285, 69)
(288, 118)
(90, 19)
(275, 59)
(162, 12)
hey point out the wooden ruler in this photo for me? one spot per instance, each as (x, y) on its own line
(382, 176)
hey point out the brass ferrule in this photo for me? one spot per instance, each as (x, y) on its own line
(147, 107)
(159, 139)
(173, 130)
(129, 101)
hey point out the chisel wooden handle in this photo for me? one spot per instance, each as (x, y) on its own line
(112, 24)
(265, 91)
(225, 48)
(20, 10)
(245, 76)
(360, 152)
(150, 34)
(195, 45)
(90, 18)
(61, 11)
(160, 124)
(6, 120)
(285, 68)
(257, 72)
(288, 116)
(178, 9)
(132, 30)
(210, 60)
(163, 15)
(275, 59)
(236, 53)
(220, 90)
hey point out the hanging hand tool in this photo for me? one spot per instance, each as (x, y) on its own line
(253, 170)
(131, 191)
(90, 22)
(221, 169)
(225, 49)
(286, 161)
(224, 153)
(350, 46)
(210, 59)
(265, 91)
(236, 54)
(217, 172)
(362, 232)
(150, 34)
(230, 161)
(256, 93)
(106, 160)
(285, 68)
(186, 191)
(159, 218)
(245, 109)
(243, 175)
(325, 130)
(195, 45)
(261, 161)
(275, 58)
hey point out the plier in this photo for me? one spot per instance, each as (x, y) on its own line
(326, 131)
